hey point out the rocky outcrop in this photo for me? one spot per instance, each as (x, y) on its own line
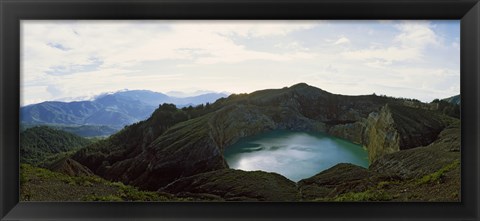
(70, 167)
(420, 161)
(393, 128)
(233, 122)
(236, 185)
(354, 132)
(397, 128)
(377, 133)
(381, 137)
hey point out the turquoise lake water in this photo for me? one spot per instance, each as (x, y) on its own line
(295, 155)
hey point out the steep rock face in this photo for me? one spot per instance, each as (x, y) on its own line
(400, 128)
(393, 128)
(237, 185)
(381, 136)
(231, 123)
(354, 132)
(420, 161)
(417, 127)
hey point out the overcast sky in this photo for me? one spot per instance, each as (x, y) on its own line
(71, 60)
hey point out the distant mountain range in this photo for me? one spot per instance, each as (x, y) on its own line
(114, 110)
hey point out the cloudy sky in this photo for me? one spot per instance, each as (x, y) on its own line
(71, 60)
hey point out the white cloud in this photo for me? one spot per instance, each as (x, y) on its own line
(384, 55)
(417, 34)
(342, 40)
(408, 45)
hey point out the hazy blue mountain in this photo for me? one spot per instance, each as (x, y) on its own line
(155, 98)
(200, 99)
(144, 96)
(190, 94)
(114, 110)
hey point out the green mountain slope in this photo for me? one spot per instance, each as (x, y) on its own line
(38, 143)
(38, 184)
(83, 130)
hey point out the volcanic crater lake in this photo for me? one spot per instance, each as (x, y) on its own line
(295, 155)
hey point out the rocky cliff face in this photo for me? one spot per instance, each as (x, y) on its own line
(233, 122)
(422, 160)
(381, 137)
(423, 173)
(354, 132)
(393, 128)
(401, 127)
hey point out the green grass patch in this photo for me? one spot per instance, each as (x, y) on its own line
(108, 198)
(436, 177)
(369, 195)
(387, 184)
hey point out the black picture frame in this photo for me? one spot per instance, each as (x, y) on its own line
(12, 11)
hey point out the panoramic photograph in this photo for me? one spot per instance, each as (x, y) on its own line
(219, 111)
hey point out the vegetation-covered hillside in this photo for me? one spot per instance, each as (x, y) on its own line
(38, 143)
(39, 184)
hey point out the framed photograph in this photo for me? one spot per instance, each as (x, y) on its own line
(239, 110)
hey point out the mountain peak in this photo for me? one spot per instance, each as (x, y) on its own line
(300, 85)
